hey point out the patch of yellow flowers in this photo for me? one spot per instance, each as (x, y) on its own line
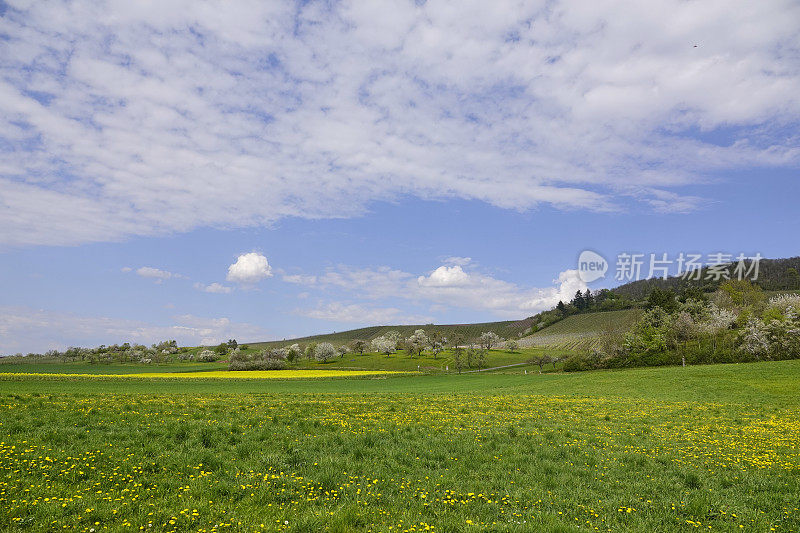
(216, 374)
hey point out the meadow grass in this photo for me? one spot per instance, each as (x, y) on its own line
(653, 449)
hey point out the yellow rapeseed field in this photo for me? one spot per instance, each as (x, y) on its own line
(217, 374)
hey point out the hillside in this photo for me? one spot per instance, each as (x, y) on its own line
(469, 332)
(773, 275)
(582, 331)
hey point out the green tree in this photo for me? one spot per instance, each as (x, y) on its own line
(588, 299)
(579, 301)
(359, 346)
(480, 357)
(742, 293)
(663, 298)
(792, 279)
(458, 358)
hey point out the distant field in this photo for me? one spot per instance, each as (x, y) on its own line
(581, 332)
(651, 449)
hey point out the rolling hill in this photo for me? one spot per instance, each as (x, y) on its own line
(469, 332)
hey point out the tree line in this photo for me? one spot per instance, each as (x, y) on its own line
(736, 323)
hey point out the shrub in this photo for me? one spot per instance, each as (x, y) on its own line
(578, 363)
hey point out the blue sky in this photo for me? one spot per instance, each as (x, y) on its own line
(206, 171)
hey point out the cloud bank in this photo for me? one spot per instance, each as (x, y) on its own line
(121, 119)
(445, 287)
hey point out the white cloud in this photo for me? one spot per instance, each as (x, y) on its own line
(483, 292)
(214, 288)
(155, 273)
(450, 287)
(356, 313)
(249, 269)
(23, 330)
(134, 121)
(445, 276)
(456, 260)
(300, 279)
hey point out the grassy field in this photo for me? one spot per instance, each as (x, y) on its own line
(581, 332)
(400, 361)
(651, 449)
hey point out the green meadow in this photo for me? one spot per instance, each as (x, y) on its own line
(650, 449)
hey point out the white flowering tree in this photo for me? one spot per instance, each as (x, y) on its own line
(384, 345)
(294, 352)
(417, 342)
(325, 351)
(437, 346)
(779, 305)
(207, 356)
(489, 340)
(716, 321)
(755, 339)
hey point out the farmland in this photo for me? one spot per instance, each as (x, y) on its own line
(211, 374)
(648, 449)
(581, 332)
